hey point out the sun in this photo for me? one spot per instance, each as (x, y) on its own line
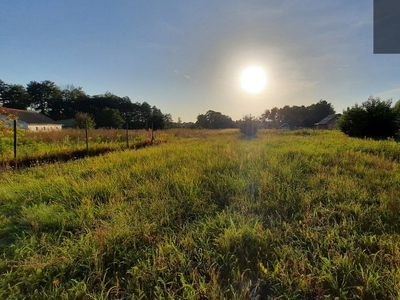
(253, 80)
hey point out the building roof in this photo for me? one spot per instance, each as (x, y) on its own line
(67, 122)
(328, 119)
(29, 116)
(285, 125)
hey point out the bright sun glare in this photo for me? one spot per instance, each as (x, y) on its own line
(253, 80)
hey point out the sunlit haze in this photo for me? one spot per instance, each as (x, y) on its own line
(187, 57)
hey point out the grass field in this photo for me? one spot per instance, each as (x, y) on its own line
(58, 145)
(208, 215)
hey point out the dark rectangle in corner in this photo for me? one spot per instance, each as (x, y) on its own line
(386, 26)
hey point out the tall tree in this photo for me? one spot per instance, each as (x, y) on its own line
(71, 101)
(109, 118)
(14, 96)
(214, 120)
(300, 116)
(317, 112)
(2, 86)
(45, 96)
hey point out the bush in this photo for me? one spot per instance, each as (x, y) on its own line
(248, 126)
(373, 118)
(83, 120)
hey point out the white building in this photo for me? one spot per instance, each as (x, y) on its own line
(28, 119)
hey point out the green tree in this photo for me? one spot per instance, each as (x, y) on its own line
(374, 118)
(300, 116)
(318, 111)
(179, 123)
(109, 118)
(214, 120)
(45, 96)
(71, 102)
(83, 120)
(293, 115)
(2, 85)
(269, 118)
(14, 96)
(168, 121)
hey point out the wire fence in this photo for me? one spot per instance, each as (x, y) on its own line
(33, 148)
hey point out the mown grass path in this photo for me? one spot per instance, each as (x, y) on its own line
(304, 215)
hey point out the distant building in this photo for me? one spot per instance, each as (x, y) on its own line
(31, 120)
(328, 122)
(67, 123)
(285, 126)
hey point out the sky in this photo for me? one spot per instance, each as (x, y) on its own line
(186, 56)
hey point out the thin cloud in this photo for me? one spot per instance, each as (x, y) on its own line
(390, 93)
(184, 75)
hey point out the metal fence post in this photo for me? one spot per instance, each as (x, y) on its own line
(87, 142)
(15, 141)
(127, 133)
(152, 132)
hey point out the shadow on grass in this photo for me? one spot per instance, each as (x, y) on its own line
(64, 157)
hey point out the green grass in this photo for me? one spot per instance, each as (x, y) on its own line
(35, 148)
(311, 214)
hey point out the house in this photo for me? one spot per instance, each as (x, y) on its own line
(31, 120)
(285, 126)
(328, 122)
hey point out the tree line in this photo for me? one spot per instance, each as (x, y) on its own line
(374, 118)
(295, 116)
(105, 110)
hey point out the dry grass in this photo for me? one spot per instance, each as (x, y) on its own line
(106, 135)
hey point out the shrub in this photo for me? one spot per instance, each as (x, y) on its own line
(373, 118)
(83, 120)
(248, 126)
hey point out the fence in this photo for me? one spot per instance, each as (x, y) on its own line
(24, 160)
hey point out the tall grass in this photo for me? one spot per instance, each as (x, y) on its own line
(302, 215)
(58, 145)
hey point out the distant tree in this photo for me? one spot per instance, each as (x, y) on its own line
(373, 118)
(44, 96)
(156, 119)
(318, 111)
(202, 122)
(14, 96)
(2, 85)
(72, 101)
(168, 122)
(214, 120)
(84, 119)
(293, 115)
(110, 118)
(179, 123)
(299, 116)
(269, 118)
